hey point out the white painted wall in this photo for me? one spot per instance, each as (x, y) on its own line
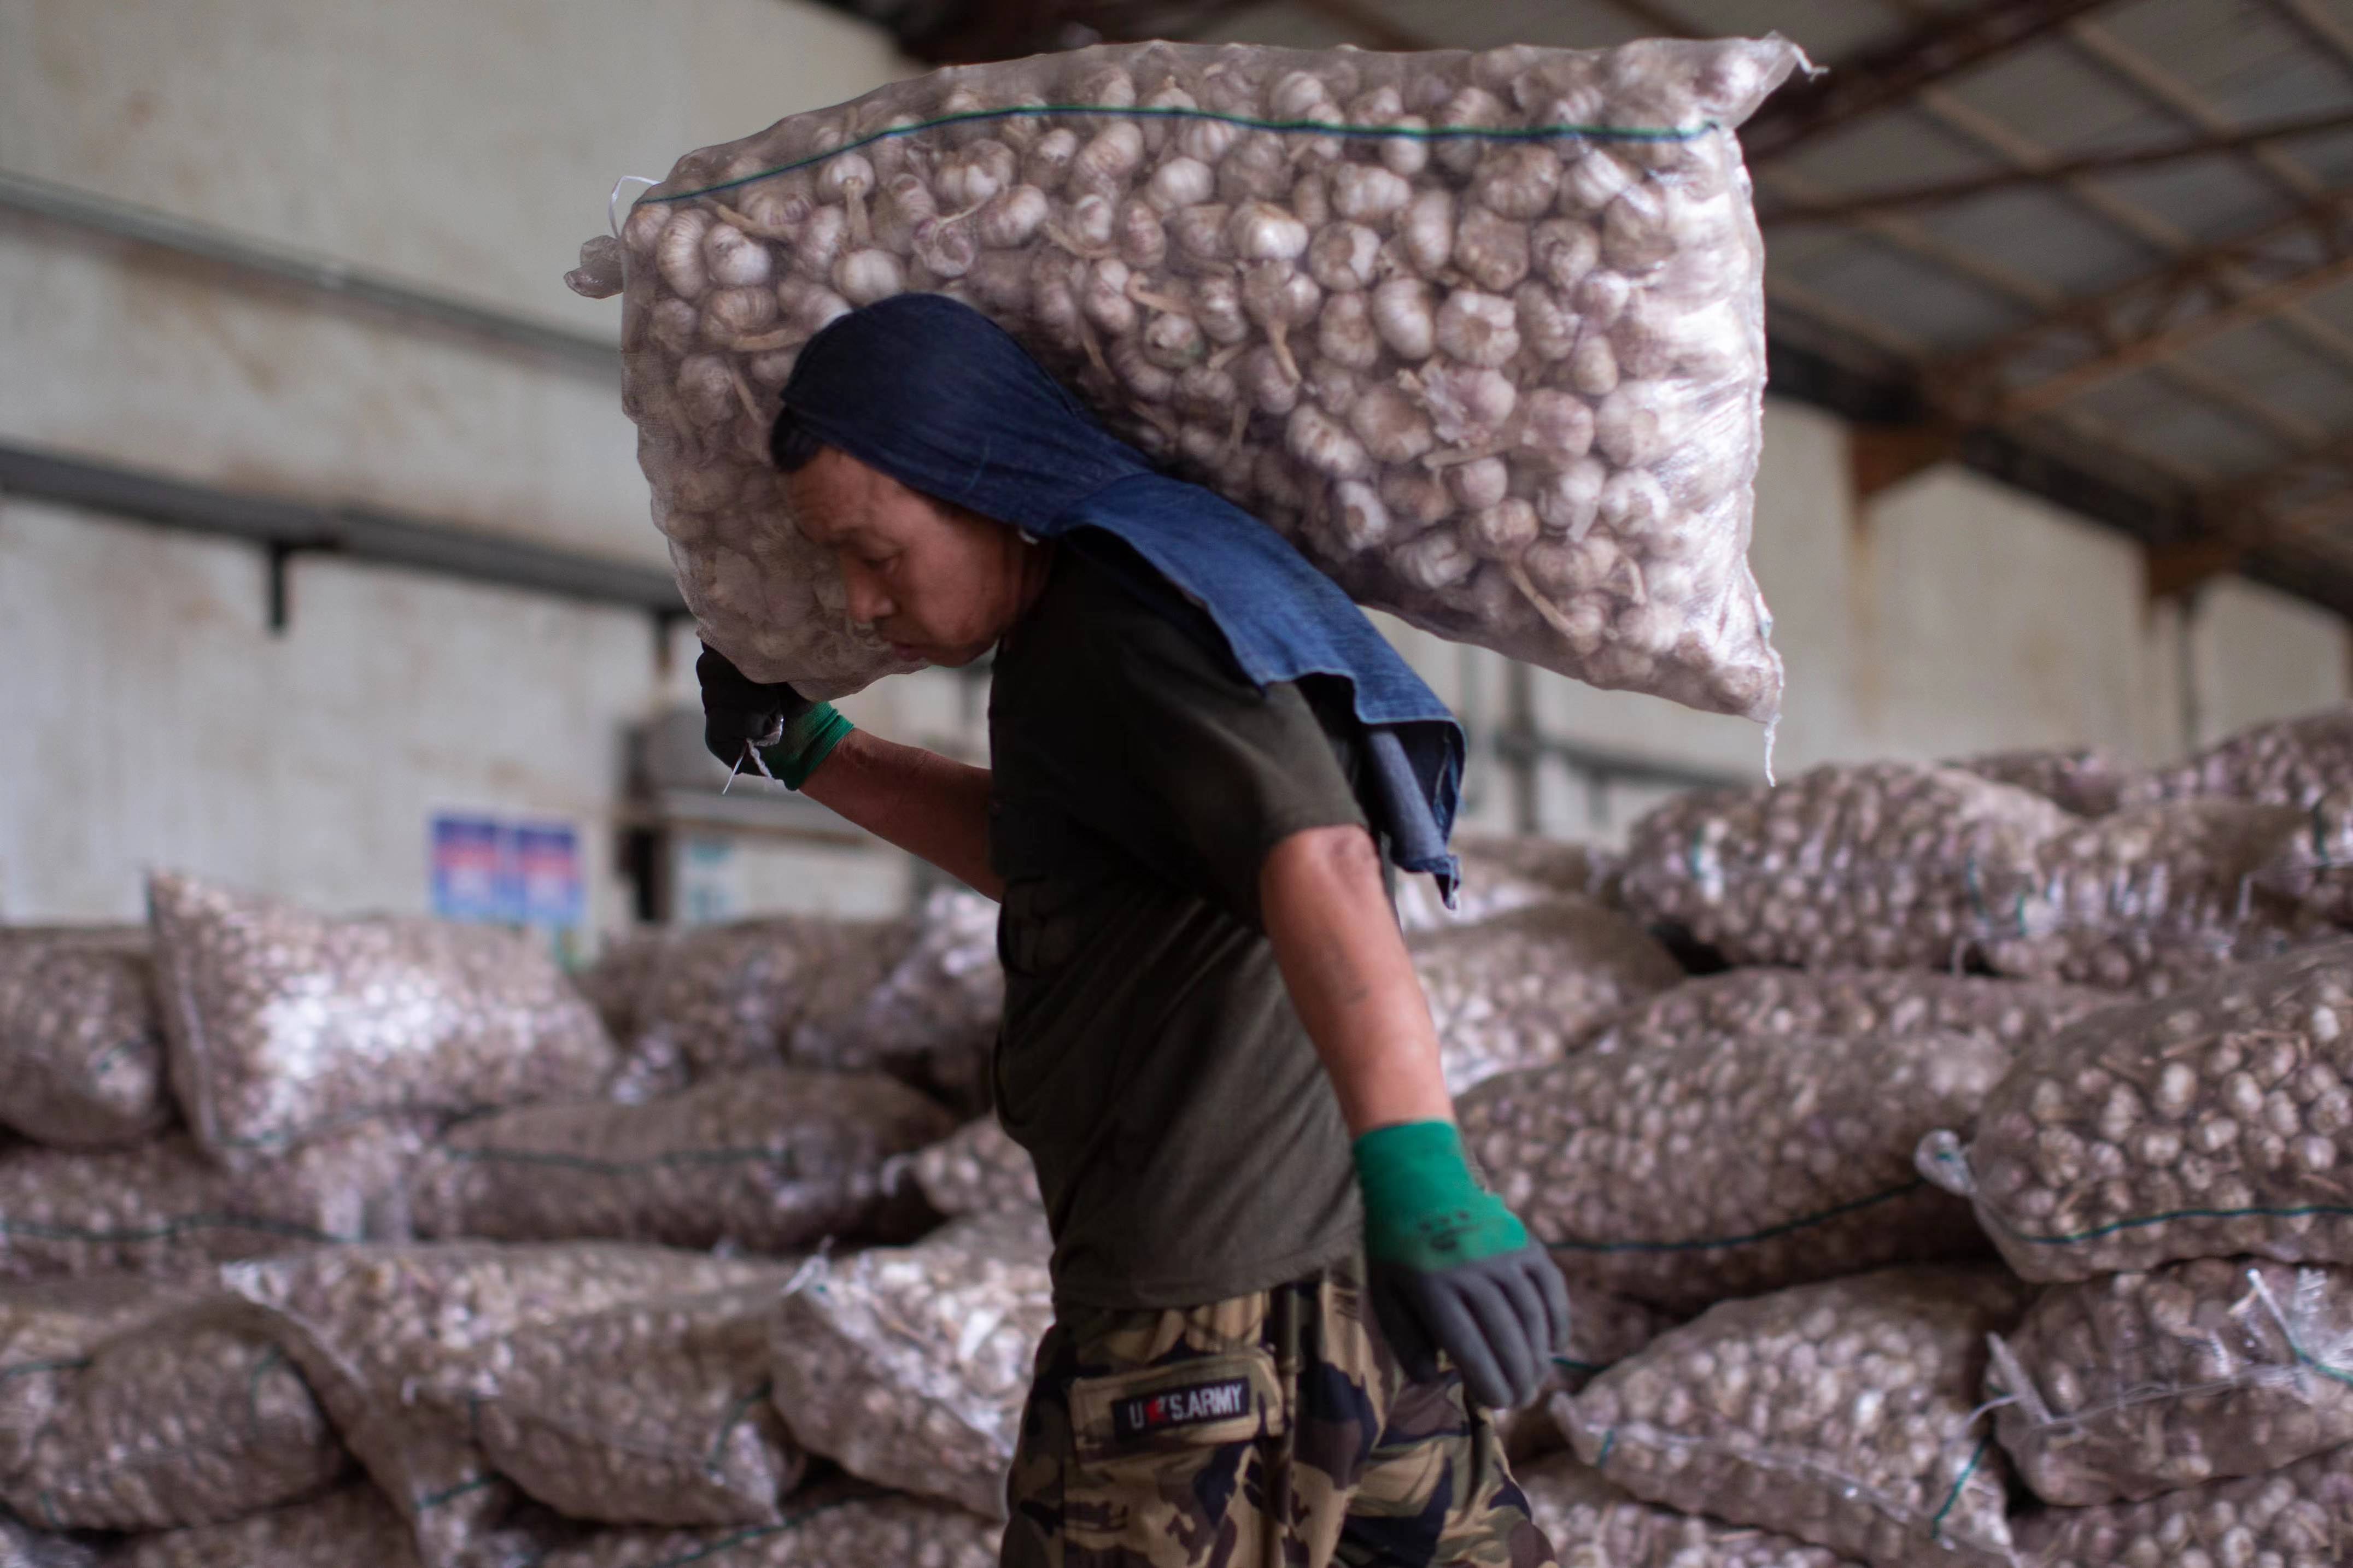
(147, 716)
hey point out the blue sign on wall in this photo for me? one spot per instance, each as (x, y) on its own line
(507, 873)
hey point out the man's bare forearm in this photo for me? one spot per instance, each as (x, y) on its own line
(931, 806)
(1345, 962)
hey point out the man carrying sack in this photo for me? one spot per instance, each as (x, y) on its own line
(1284, 1306)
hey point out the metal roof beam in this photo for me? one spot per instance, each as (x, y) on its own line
(1889, 75)
(1942, 192)
(2193, 298)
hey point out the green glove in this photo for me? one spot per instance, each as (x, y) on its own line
(1452, 1269)
(810, 736)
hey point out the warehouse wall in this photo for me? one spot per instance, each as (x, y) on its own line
(467, 147)
(153, 718)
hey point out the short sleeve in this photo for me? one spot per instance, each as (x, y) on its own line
(1234, 770)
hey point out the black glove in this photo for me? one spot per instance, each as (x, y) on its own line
(738, 712)
(1498, 1320)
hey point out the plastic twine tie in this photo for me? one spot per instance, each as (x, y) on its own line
(1555, 132)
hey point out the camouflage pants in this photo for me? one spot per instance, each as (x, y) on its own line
(1164, 1439)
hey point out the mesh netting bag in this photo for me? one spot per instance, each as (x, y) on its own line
(2131, 1384)
(164, 1207)
(1752, 1002)
(1840, 1414)
(909, 1366)
(840, 1525)
(1594, 1524)
(1882, 866)
(370, 1325)
(931, 1018)
(2291, 761)
(48, 1326)
(22, 1546)
(769, 1161)
(656, 1412)
(1683, 1175)
(977, 1169)
(285, 1025)
(2313, 865)
(2207, 1124)
(1603, 1330)
(349, 1527)
(2152, 898)
(1518, 990)
(722, 998)
(190, 1417)
(2300, 1517)
(81, 1046)
(1482, 333)
(2085, 780)
(1502, 872)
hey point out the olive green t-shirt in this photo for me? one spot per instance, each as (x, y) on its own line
(1188, 1145)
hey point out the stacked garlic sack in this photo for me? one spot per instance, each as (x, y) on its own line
(1481, 333)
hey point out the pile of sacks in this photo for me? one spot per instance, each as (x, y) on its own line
(377, 1240)
(2043, 1265)
(384, 1240)
(2060, 866)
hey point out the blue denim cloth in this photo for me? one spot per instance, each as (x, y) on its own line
(932, 393)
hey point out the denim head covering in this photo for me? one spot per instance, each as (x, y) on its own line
(932, 393)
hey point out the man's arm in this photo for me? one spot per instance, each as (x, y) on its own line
(1448, 1267)
(1344, 960)
(933, 807)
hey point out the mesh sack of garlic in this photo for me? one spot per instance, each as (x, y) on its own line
(81, 1046)
(22, 1546)
(1603, 1330)
(193, 1416)
(49, 1325)
(1684, 1175)
(2207, 1124)
(284, 1025)
(909, 1366)
(932, 1017)
(2083, 780)
(2290, 762)
(769, 1161)
(164, 1207)
(977, 1169)
(1840, 1414)
(1753, 1003)
(2300, 1517)
(2131, 1384)
(1594, 1524)
(740, 994)
(838, 1525)
(1882, 866)
(368, 1325)
(1482, 333)
(1502, 872)
(351, 1527)
(655, 1412)
(1518, 990)
(2152, 898)
(616, 982)
(2314, 864)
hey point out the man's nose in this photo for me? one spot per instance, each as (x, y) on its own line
(867, 601)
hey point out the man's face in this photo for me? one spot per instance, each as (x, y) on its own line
(939, 583)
